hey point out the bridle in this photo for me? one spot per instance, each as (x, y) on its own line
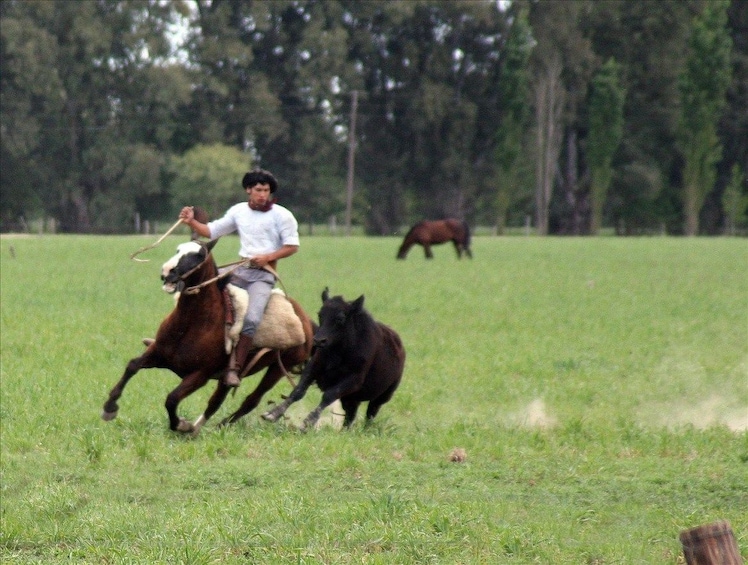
(194, 269)
(234, 266)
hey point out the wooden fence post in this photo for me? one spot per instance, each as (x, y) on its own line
(711, 544)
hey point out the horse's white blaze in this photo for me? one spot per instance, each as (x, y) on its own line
(182, 250)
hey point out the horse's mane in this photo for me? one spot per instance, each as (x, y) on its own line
(416, 226)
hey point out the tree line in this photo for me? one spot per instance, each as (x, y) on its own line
(574, 116)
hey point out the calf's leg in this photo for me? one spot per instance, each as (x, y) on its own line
(375, 404)
(350, 407)
(337, 392)
(296, 394)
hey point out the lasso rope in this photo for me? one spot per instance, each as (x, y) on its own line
(152, 245)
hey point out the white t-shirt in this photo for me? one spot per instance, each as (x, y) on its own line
(259, 232)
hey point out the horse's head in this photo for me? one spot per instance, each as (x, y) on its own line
(190, 259)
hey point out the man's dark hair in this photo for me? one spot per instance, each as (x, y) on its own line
(260, 176)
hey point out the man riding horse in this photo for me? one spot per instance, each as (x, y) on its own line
(267, 232)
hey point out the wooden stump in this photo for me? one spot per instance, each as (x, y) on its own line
(711, 544)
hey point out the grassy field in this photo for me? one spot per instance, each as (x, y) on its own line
(598, 388)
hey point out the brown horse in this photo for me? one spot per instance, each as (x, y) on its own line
(191, 342)
(428, 233)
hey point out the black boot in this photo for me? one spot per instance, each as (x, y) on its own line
(238, 360)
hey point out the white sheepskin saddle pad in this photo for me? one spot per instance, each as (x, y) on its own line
(280, 327)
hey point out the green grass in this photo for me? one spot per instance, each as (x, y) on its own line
(598, 386)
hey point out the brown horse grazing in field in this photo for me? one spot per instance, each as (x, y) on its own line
(428, 233)
(191, 341)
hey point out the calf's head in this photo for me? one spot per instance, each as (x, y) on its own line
(335, 318)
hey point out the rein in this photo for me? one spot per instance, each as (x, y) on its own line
(235, 265)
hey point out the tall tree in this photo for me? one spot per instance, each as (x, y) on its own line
(605, 131)
(549, 104)
(703, 84)
(101, 119)
(735, 201)
(513, 91)
(29, 84)
(646, 38)
(275, 69)
(733, 126)
(562, 65)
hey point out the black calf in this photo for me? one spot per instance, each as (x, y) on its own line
(355, 359)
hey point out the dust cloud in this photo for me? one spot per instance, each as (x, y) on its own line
(534, 415)
(713, 411)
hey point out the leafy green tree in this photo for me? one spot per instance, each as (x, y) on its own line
(95, 102)
(29, 84)
(735, 201)
(605, 131)
(513, 91)
(646, 38)
(99, 118)
(209, 176)
(703, 84)
(563, 61)
(271, 72)
(734, 121)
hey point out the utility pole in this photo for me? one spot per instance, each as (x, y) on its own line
(351, 160)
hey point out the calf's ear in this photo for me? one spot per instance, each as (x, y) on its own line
(357, 304)
(325, 294)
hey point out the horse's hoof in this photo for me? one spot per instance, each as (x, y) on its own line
(270, 417)
(185, 426)
(108, 416)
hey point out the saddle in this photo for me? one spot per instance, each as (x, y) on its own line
(280, 327)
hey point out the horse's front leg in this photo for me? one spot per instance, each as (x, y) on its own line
(268, 381)
(214, 403)
(111, 408)
(189, 384)
(427, 251)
